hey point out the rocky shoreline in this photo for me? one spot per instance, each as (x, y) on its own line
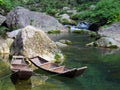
(19, 19)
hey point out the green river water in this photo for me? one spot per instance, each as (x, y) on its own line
(103, 72)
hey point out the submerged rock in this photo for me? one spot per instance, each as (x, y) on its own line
(63, 43)
(34, 42)
(59, 44)
(68, 42)
(21, 17)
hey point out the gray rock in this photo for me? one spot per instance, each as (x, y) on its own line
(110, 37)
(21, 17)
(92, 7)
(112, 31)
(63, 43)
(68, 42)
(72, 11)
(59, 44)
(34, 42)
(105, 42)
(65, 8)
(2, 19)
(13, 34)
(65, 19)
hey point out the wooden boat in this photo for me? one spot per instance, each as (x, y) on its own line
(55, 68)
(20, 68)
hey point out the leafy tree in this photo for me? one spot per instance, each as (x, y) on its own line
(108, 9)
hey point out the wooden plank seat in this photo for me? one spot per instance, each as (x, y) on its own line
(16, 66)
(59, 69)
(46, 65)
(37, 61)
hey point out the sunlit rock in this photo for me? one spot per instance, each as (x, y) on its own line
(5, 46)
(32, 42)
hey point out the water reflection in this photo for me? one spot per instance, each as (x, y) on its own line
(103, 71)
(34, 81)
(72, 83)
(108, 51)
(38, 80)
(21, 84)
(57, 82)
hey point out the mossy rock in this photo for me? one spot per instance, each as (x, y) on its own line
(113, 46)
(68, 22)
(80, 31)
(53, 31)
(68, 42)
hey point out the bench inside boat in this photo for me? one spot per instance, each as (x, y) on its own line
(50, 66)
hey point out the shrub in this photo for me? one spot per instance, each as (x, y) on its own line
(108, 9)
(57, 56)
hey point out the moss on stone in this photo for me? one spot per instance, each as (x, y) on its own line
(53, 31)
(79, 31)
(113, 46)
(95, 44)
(57, 56)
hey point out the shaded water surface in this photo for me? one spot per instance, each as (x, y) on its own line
(103, 70)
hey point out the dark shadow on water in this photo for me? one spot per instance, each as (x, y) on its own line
(21, 84)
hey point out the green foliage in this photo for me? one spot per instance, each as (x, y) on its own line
(7, 5)
(108, 9)
(54, 31)
(57, 56)
(67, 22)
(78, 31)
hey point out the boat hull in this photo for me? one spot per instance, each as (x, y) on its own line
(22, 75)
(70, 73)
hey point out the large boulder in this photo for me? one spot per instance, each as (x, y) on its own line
(2, 19)
(32, 42)
(21, 17)
(112, 31)
(110, 37)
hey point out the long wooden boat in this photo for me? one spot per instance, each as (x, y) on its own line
(55, 68)
(20, 68)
